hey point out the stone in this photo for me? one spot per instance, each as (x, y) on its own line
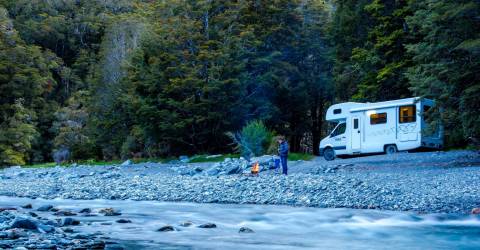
(85, 211)
(234, 169)
(166, 228)
(123, 221)
(476, 210)
(186, 224)
(70, 222)
(7, 209)
(109, 212)
(24, 223)
(67, 230)
(45, 208)
(96, 244)
(208, 225)
(81, 236)
(15, 234)
(46, 246)
(45, 228)
(64, 213)
(27, 206)
(184, 159)
(245, 230)
(126, 163)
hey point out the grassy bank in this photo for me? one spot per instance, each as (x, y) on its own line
(193, 159)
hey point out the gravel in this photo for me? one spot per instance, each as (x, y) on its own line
(427, 182)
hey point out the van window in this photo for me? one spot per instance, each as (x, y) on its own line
(337, 111)
(339, 130)
(355, 123)
(407, 114)
(379, 118)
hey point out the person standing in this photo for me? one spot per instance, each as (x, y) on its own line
(283, 153)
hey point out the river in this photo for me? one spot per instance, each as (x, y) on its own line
(276, 227)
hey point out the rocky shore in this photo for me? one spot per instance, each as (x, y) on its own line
(23, 229)
(432, 182)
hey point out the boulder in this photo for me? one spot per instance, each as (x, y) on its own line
(45, 208)
(27, 206)
(109, 212)
(24, 223)
(208, 225)
(184, 159)
(123, 221)
(64, 213)
(45, 228)
(67, 230)
(245, 230)
(126, 163)
(476, 210)
(85, 211)
(69, 222)
(166, 228)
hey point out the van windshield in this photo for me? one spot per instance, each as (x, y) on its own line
(340, 129)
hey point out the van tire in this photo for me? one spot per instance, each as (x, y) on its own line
(329, 154)
(390, 149)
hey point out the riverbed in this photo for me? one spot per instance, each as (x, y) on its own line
(275, 227)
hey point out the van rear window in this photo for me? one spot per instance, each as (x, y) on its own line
(379, 118)
(407, 114)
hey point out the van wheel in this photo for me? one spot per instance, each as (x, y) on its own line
(390, 149)
(329, 154)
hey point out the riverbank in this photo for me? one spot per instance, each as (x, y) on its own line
(430, 182)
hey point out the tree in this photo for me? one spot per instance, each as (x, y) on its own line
(446, 66)
(25, 80)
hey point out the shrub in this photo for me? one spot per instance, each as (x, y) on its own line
(253, 140)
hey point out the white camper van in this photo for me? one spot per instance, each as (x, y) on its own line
(388, 127)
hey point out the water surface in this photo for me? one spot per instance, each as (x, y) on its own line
(276, 227)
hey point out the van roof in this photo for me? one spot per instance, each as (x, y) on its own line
(386, 104)
(341, 111)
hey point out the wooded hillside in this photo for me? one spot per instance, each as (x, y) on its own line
(110, 79)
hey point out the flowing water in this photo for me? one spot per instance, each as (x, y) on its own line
(276, 227)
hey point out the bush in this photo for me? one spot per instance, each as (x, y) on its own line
(253, 140)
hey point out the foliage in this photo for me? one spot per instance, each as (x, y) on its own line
(253, 140)
(446, 63)
(144, 79)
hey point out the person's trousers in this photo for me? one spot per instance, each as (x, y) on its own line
(284, 164)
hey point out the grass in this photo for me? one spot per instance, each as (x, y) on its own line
(300, 156)
(205, 158)
(193, 159)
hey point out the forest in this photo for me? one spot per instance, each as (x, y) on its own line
(118, 79)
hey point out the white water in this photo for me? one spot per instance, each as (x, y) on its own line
(276, 227)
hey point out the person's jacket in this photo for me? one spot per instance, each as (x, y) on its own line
(283, 149)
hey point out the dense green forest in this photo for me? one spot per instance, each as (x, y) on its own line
(111, 79)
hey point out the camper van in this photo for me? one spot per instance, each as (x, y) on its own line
(389, 127)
